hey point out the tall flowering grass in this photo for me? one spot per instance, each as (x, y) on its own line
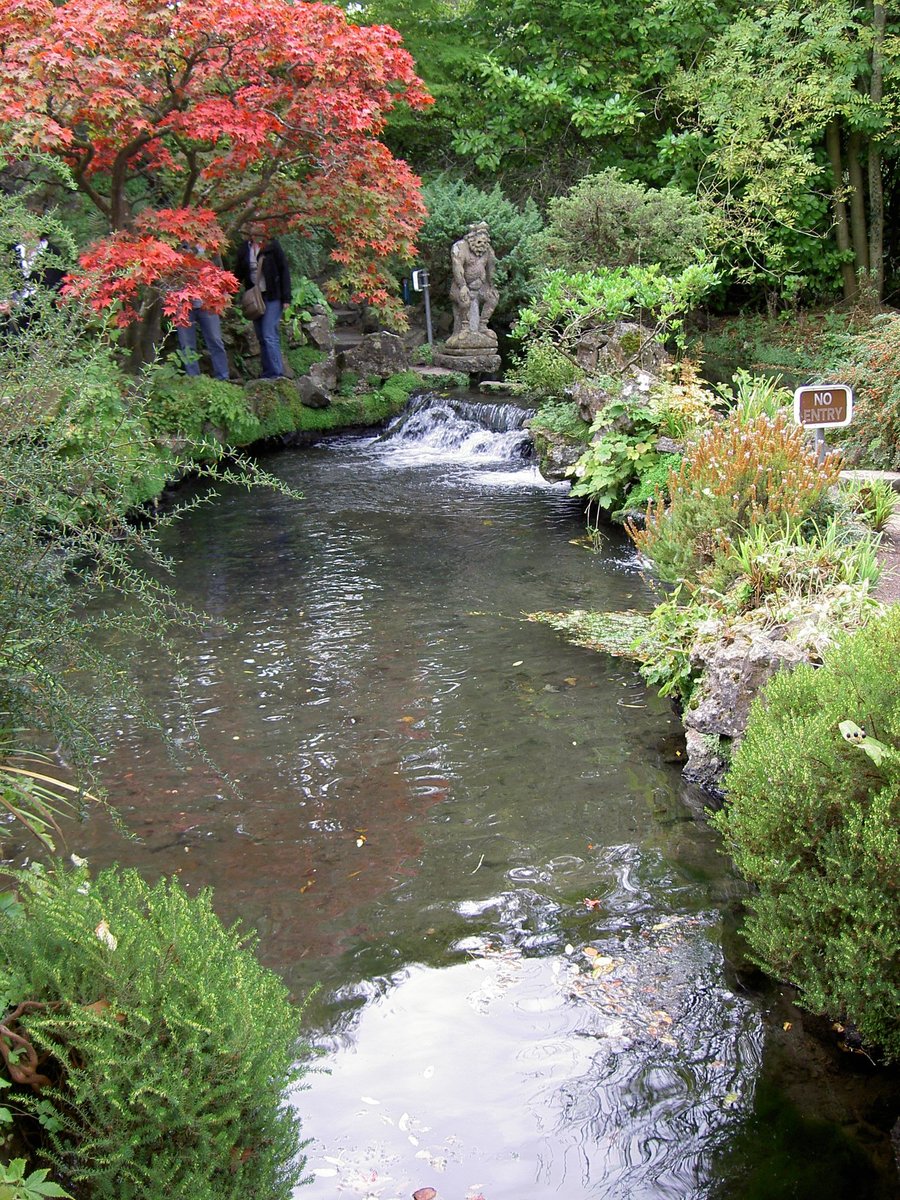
(739, 477)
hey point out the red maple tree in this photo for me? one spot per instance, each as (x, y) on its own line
(224, 109)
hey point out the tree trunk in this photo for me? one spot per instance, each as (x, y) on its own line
(858, 226)
(144, 335)
(841, 224)
(876, 180)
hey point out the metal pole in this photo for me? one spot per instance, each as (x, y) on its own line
(820, 446)
(428, 329)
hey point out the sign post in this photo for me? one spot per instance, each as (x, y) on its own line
(822, 406)
(420, 284)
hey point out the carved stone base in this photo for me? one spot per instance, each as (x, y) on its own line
(472, 363)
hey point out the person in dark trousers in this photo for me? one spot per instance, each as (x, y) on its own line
(257, 253)
(210, 328)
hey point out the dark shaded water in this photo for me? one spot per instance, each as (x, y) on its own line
(466, 831)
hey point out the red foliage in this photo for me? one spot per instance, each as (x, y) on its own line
(271, 109)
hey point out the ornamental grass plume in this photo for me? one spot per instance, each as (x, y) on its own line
(739, 477)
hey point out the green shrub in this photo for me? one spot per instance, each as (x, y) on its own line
(543, 370)
(169, 1048)
(607, 221)
(187, 405)
(813, 821)
(869, 361)
(652, 480)
(453, 205)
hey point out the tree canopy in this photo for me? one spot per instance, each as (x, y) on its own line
(180, 121)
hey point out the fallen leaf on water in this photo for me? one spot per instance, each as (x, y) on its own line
(361, 840)
(425, 1193)
(407, 720)
(787, 1026)
(731, 1099)
(591, 951)
(518, 662)
(353, 874)
(571, 680)
(307, 885)
(588, 903)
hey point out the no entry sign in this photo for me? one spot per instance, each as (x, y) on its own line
(823, 405)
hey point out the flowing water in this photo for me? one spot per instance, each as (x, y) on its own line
(470, 834)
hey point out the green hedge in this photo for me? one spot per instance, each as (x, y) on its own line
(813, 821)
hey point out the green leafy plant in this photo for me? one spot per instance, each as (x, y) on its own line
(543, 370)
(561, 416)
(569, 304)
(873, 500)
(664, 647)
(813, 822)
(623, 446)
(755, 395)
(163, 1046)
(16, 1185)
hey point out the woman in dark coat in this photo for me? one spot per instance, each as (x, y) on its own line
(276, 289)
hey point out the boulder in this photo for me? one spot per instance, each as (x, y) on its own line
(623, 348)
(734, 670)
(325, 374)
(312, 394)
(382, 354)
(555, 452)
(318, 329)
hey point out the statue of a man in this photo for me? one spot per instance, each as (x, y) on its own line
(472, 292)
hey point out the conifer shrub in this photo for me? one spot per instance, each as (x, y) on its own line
(813, 821)
(740, 476)
(167, 1047)
(606, 220)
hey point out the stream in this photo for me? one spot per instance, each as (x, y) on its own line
(471, 837)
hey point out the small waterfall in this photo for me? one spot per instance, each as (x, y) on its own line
(445, 427)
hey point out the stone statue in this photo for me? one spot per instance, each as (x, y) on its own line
(472, 292)
(472, 346)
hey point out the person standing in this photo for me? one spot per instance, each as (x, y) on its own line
(210, 327)
(262, 260)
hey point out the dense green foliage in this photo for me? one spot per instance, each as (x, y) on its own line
(569, 304)
(168, 1047)
(812, 821)
(607, 221)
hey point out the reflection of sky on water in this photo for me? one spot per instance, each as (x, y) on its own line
(523, 1076)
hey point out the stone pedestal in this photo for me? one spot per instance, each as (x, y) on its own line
(471, 351)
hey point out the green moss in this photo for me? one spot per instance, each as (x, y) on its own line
(301, 358)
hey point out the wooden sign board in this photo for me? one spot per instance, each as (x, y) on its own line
(823, 405)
